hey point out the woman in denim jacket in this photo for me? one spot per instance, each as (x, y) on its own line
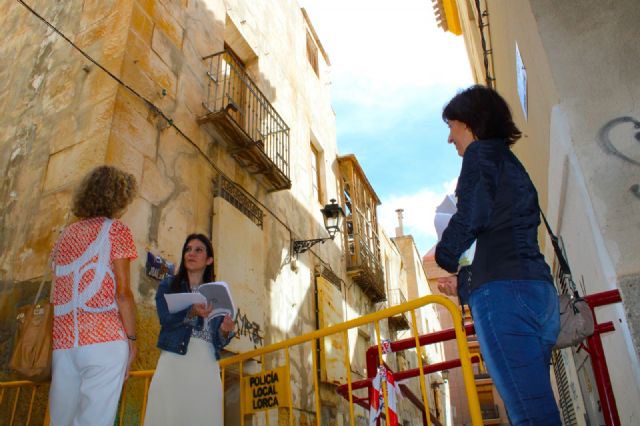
(509, 286)
(186, 387)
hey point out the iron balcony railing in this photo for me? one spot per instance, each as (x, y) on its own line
(490, 412)
(230, 89)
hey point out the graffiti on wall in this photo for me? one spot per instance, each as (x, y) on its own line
(251, 329)
(620, 137)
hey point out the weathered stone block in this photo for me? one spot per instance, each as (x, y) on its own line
(193, 60)
(187, 121)
(155, 187)
(90, 121)
(131, 125)
(96, 31)
(138, 217)
(192, 91)
(97, 86)
(170, 54)
(176, 219)
(163, 19)
(146, 72)
(53, 212)
(95, 10)
(68, 166)
(60, 89)
(141, 23)
(121, 153)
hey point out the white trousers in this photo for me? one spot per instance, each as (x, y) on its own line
(86, 383)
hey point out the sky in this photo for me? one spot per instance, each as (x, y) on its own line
(392, 72)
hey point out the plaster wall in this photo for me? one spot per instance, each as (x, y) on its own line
(580, 146)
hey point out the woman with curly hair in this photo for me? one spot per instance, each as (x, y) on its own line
(94, 322)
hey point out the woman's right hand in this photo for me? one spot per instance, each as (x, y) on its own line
(201, 310)
(448, 285)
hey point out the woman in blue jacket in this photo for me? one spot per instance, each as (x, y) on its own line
(186, 387)
(511, 295)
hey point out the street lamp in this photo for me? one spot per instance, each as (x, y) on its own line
(332, 215)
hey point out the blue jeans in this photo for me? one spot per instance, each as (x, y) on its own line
(517, 323)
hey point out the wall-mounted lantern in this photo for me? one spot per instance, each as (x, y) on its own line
(332, 215)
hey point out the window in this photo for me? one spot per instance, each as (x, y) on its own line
(316, 188)
(312, 53)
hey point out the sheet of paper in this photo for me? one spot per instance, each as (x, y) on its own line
(180, 301)
(219, 295)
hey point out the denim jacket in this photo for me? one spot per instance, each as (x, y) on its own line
(175, 330)
(498, 207)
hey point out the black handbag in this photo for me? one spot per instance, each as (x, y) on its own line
(576, 318)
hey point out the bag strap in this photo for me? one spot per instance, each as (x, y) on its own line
(562, 261)
(47, 269)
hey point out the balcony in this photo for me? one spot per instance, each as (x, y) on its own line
(364, 268)
(399, 322)
(245, 122)
(361, 229)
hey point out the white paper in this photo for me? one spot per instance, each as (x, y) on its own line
(444, 212)
(219, 295)
(177, 302)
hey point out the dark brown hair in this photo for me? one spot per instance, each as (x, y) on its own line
(181, 277)
(485, 112)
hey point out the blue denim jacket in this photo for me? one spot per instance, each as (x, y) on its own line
(175, 332)
(498, 208)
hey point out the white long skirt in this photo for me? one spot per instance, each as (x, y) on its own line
(186, 389)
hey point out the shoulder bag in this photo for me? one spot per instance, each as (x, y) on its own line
(576, 317)
(31, 356)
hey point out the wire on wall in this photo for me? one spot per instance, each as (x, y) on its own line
(168, 119)
(483, 22)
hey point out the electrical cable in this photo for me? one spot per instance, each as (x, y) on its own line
(168, 119)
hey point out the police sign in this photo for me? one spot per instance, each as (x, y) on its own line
(266, 390)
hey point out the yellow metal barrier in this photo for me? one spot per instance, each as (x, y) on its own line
(17, 409)
(313, 338)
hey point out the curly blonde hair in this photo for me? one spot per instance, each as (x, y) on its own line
(105, 191)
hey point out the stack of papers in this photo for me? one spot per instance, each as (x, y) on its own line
(215, 292)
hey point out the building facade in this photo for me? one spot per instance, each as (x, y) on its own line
(222, 112)
(569, 71)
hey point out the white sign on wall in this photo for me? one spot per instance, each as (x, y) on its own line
(521, 78)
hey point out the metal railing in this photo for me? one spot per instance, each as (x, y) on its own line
(311, 338)
(490, 412)
(231, 89)
(134, 395)
(18, 410)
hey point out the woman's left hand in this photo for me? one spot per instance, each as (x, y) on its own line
(227, 324)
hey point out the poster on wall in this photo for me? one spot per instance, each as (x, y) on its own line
(521, 78)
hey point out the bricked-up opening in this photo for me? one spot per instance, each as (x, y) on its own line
(312, 54)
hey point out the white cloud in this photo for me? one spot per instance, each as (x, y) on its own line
(419, 211)
(383, 53)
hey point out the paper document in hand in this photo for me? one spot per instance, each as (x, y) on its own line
(177, 302)
(444, 211)
(219, 295)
